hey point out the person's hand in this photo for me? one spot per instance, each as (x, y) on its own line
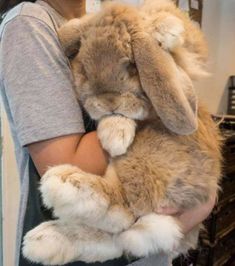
(190, 218)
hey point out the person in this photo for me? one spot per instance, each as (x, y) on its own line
(47, 124)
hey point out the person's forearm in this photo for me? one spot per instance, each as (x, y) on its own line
(84, 151)
(191, 218)
(89, 155)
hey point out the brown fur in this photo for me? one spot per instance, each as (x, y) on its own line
(175, 159)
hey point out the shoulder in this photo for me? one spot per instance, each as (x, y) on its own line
(27, 11)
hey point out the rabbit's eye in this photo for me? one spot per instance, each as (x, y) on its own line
(132, 69)
(122, 78)
(73, 54)
(128, 66)
(83, 71)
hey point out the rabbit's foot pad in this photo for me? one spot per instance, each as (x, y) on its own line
(74, 193)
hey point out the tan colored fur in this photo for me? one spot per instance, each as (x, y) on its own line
(192, 55)
(175, 158)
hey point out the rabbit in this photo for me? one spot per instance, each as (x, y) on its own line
(133, 70)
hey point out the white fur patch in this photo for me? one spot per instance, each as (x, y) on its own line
(151, 234)
(141, 114)
(45, 245)
(116, 134)
(70, 201)
(116, 220)
(54, 243)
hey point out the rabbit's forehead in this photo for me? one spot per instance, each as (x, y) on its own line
(105, 49)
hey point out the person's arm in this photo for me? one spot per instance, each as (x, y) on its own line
(39, 91)
(191, 218)
(83, 151)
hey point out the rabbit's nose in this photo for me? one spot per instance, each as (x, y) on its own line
(109, 97)
(115, 108)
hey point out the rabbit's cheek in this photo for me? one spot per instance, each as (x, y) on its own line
(96, 108)
(140, 114)
(133, 108)
(136, 113)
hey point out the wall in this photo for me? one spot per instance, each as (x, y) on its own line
(131, 2)
(10, 193)
(219, 26)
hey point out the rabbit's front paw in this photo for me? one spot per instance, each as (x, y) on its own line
(170, 32)
(116, 134)
(73, 193)
(151, 234)
(45, 244)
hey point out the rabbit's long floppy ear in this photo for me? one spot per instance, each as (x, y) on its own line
(168, 87)
(70, 36)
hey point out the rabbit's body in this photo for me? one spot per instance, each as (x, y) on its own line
(164, 169)
(165, 148)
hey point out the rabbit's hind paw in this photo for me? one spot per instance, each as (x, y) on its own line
(56, 243)
(44, 244)
(151, 234)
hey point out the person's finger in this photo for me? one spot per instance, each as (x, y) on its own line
(168, 211)
(191, 218)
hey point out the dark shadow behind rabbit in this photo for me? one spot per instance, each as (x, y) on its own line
(133, 72)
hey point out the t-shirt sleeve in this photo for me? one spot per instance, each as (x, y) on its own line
(38, 82)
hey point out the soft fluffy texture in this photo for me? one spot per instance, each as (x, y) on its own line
(138, 65)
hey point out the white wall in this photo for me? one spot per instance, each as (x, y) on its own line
(10, 193)
(219, 26)
(131, 2)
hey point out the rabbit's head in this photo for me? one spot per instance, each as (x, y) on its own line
(119, 69)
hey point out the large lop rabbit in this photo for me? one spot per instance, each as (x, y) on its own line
(133, 70)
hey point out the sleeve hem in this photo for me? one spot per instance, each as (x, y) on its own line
(45, 133)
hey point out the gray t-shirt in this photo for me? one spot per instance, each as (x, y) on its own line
(36, 86)
(37, 90)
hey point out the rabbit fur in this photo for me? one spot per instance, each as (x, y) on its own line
(133, 70)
